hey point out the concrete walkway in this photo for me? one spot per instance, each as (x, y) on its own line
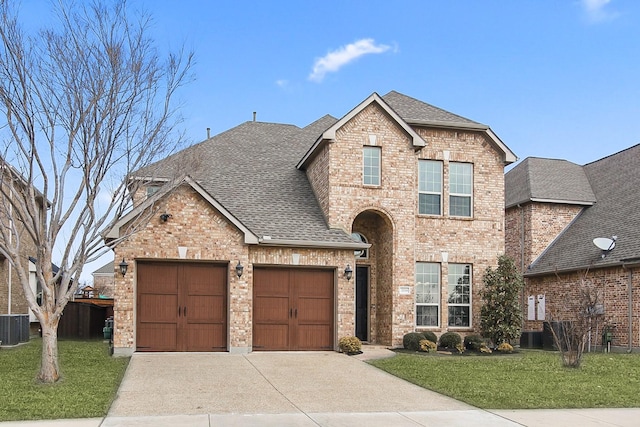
(298, 389)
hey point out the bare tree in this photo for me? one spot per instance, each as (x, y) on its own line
(84, 103)
(571, 335)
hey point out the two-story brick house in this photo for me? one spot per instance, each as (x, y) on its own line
(554, 211)
(249, 240)
(14, 308)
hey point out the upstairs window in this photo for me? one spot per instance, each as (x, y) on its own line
(371, 166)
(430, 187)
(460, 189)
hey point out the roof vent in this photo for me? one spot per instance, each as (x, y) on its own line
(254, 116)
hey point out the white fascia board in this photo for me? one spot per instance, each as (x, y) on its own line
(509, 156)
(330, 134)
(314, 244)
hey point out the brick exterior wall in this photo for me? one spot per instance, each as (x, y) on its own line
(531, 228)
(19, 303)
(563, 291)
(400, 237)
(387, 215)
(104, 284)
(209, 237)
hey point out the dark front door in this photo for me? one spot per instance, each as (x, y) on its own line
(292, 309)
(181, 307)
(362, 302)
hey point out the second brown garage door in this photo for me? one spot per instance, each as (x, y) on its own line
(181, 306)
(293, 309)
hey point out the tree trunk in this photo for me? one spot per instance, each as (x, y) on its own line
(49, 368)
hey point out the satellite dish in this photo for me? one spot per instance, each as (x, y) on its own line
(604, 243)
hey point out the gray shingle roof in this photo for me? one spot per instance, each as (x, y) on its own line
(105, 269)
(415, 111)
(614, 180)
(250, 170)
(536, 179)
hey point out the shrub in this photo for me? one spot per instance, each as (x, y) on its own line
(460, 348)
(411, 341)
(428, 346)
(473, 342)
(485, 349)
(450, 340)
(350, 345)
(501, 316)
(505, 347)
(430, 336)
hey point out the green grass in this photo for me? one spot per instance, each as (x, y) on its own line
(529, 379)
(88, 384)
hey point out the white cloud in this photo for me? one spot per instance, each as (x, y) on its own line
(336, 59)
(282, 83)
(597, 10)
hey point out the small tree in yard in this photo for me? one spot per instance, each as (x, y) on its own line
(585, 315)
(501, 315)
(82, 105)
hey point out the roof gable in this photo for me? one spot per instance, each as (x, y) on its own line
(418, 113)
(330, 133)
(614, 180)
(547, 181)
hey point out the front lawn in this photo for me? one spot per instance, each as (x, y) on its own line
(527, 380)
(90, 379)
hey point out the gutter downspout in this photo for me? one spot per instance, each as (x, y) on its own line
(630, 308)
(522, 302)
(629, 265)
(10, 278)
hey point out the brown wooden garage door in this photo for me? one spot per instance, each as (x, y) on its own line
(181, 307)
(293, 309)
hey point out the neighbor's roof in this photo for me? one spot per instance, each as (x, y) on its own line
(547, 180)
(108, 268)
(614, 180)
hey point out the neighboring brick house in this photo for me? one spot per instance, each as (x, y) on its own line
(407, 197)
(103, 280)
(12, 298)
(554, 211)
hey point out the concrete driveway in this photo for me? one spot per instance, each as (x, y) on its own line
(276, 388)
(265, 383)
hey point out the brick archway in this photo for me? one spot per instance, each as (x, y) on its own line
(378, 265)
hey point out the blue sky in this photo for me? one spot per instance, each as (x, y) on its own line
(553, 78)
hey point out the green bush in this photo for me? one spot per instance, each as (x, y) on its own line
(350, 345)
(450, 340)
(473, 342)
(430, 336)
(411, 341)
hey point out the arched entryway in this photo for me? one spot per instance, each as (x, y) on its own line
(374, 277)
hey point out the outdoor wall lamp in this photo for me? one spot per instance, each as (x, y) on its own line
(239, 269)
(123, 267)
(348, 272)
(164, 217)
